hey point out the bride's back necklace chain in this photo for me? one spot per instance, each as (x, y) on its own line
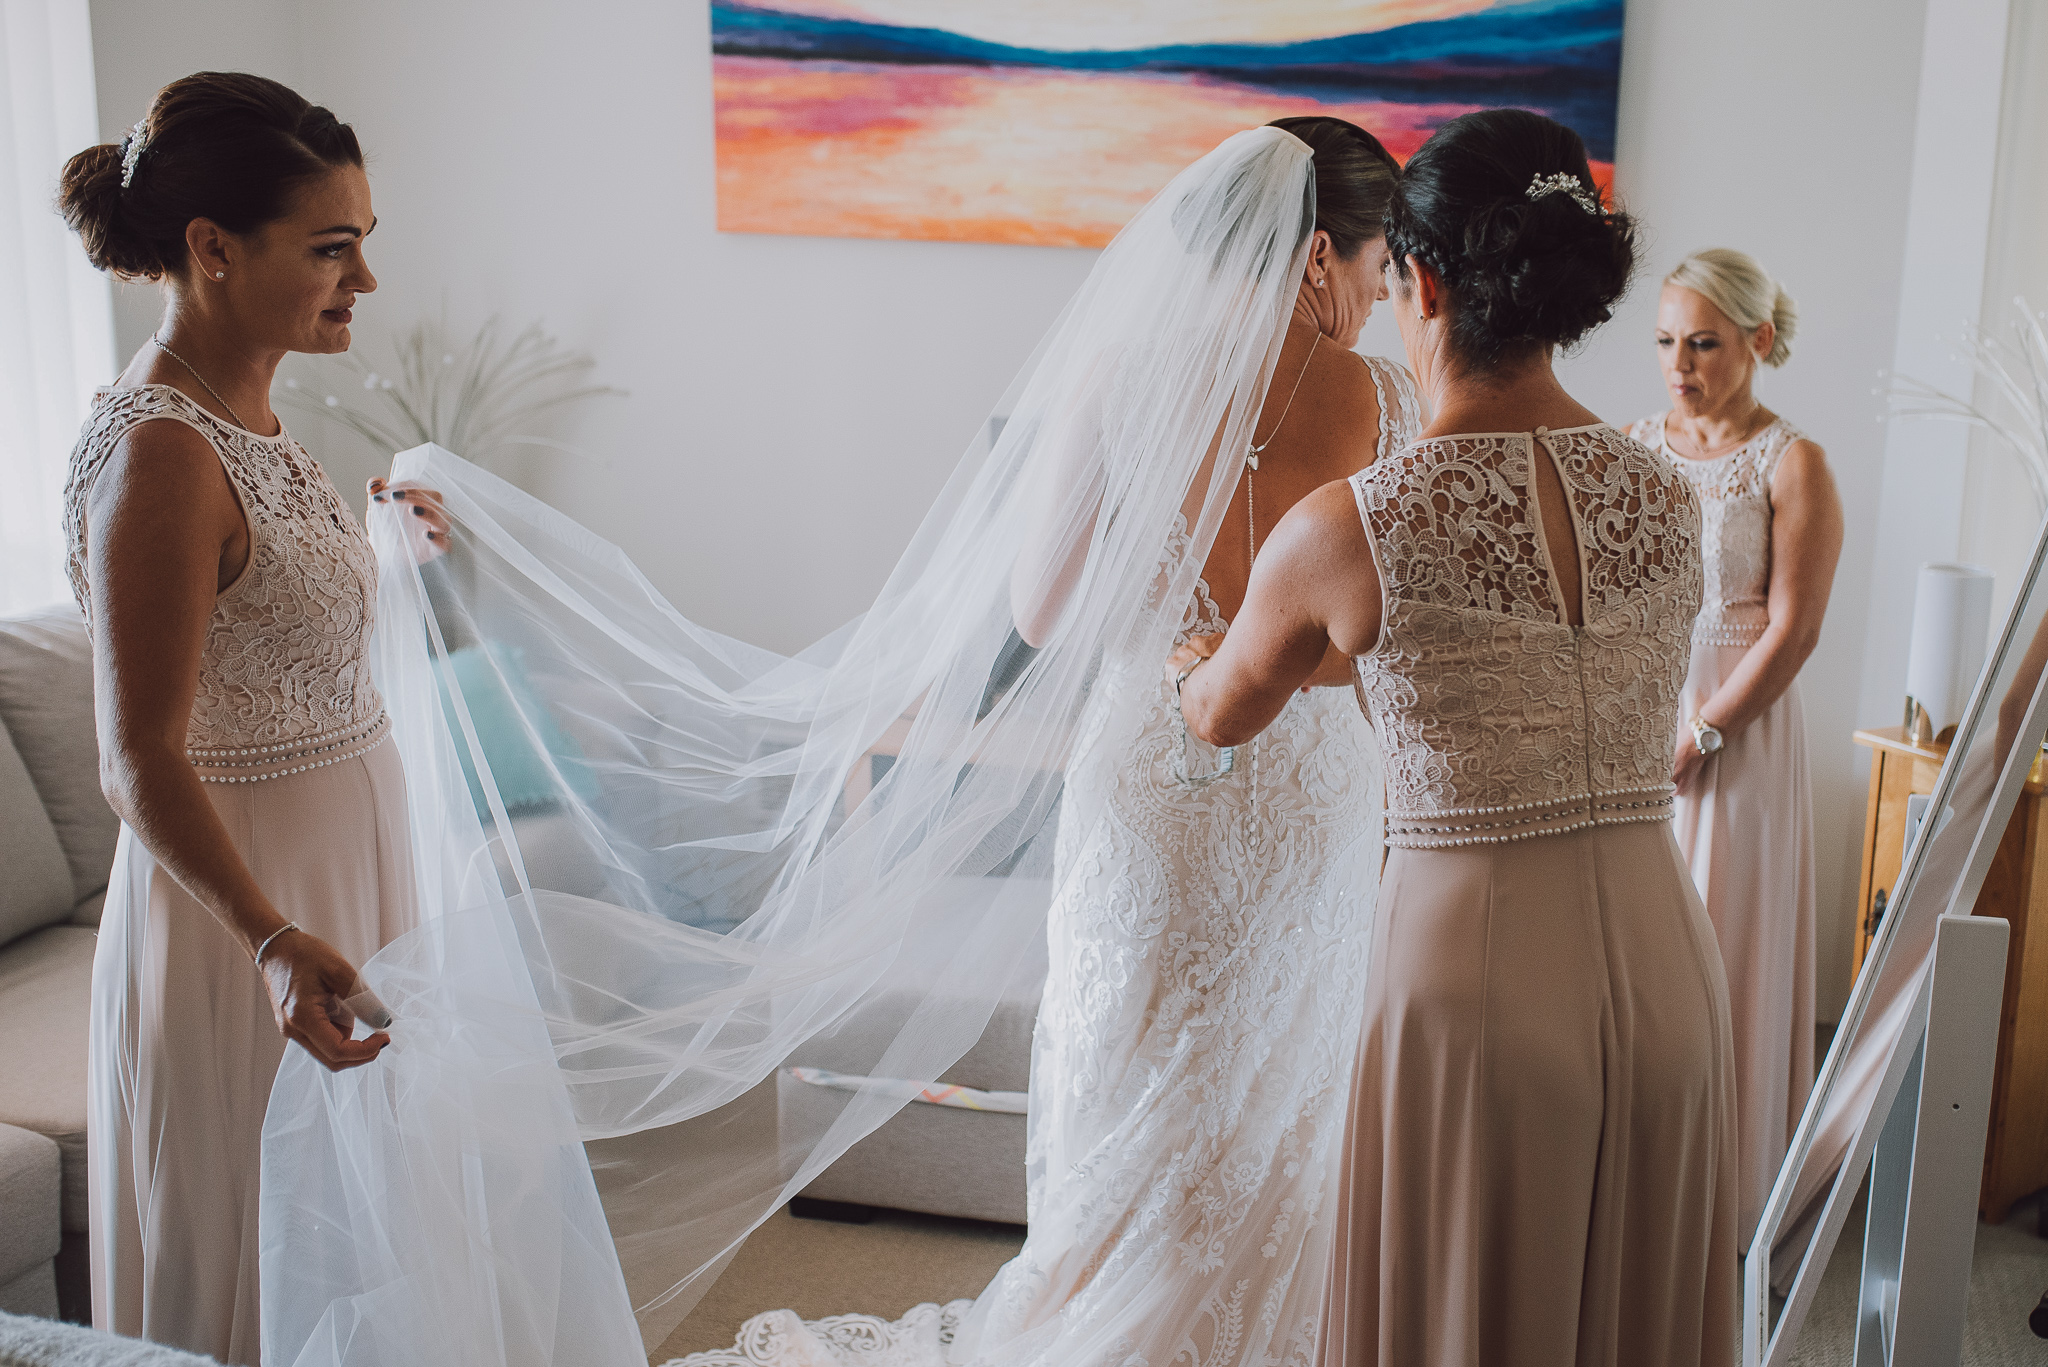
(1251, 461)
(1252, 453)
(223, 402)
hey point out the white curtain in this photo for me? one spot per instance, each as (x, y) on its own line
(56, 312)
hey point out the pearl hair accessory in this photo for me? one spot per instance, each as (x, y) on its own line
(1564, 183)
(131, 152)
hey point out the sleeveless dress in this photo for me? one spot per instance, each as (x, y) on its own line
(1541, 1162)
(1192, 1053)
(1746, 828)
(289, 735)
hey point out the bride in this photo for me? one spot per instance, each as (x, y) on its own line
(654, 862)
(1208, 934)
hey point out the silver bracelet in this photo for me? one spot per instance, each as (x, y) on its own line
(288, 925)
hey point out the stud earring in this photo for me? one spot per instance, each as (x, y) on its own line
(220, 275)
(1319, 284)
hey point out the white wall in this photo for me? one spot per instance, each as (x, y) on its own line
(796, 402)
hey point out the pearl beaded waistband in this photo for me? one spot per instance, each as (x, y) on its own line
(1424, 830)
(253, 763)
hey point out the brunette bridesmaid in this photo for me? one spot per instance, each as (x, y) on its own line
(229, 590)
(1772, 532)
(1540, 1158)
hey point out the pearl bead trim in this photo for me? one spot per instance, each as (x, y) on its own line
(1728, 633)
(1580, 825)
(1577, 816)
(277, 761)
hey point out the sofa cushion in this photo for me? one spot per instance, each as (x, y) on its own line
(45, 1010)
(87, 913)
(30, 1177)
(999, 1061)
(35, 890)
(46, 705)
(26, 1342)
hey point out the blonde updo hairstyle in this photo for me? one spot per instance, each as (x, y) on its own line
(1737, 284)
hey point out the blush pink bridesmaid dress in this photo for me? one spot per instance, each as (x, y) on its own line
(1746, 824)
(1541, 1151)
(290, 736)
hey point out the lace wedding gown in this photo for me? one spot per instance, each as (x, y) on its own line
(1541, 1162)
(1746, 826)
(289, 735)
(1190, 1064)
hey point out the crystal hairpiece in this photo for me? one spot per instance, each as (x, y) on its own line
(131, 152)
(1564, 183)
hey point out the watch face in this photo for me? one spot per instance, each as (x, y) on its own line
(1709, 740)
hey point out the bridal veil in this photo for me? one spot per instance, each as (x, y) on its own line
(653, 861)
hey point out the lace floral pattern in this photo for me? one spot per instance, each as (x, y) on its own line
(1194, 1044)
(1735, 529)
(1498, 720)
(284, 679)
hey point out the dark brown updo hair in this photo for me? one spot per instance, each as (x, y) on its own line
(221, 145)
(1354, 179)
(1519, 272)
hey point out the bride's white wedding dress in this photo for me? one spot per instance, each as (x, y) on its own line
(1190, 1066)
(653, 863)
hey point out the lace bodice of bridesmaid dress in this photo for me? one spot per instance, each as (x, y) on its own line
(284, 678)
(1735, 529)
(1497, 719)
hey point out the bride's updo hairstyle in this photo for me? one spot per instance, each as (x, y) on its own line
(223, 146)
(1737, 284)
(1520, 271)
(1354, 180)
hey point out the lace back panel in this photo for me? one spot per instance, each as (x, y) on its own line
(284, 681)
(1735, 529)
(1498, 720)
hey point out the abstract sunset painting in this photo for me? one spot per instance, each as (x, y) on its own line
(1053, 121)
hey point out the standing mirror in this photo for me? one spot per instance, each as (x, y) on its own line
(1973, 800)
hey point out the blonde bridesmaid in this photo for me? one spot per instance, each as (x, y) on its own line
(1772, 534)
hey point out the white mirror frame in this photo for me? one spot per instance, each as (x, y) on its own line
(1765, 1344)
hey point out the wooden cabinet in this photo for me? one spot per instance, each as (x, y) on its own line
(2016, 1151)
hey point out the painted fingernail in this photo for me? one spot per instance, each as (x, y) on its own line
(419, 511)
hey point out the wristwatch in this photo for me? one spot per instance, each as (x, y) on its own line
(1706, 737)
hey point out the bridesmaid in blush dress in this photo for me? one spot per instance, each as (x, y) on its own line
(1540, 1154)
(1772, 527)
(230, 594)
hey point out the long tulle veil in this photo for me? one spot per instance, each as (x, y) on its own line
(654, 862)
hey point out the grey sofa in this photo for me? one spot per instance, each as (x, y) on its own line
(937, 1160)
(57, 840)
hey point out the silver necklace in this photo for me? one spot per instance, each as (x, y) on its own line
(1715, 453)
(1252, 453)
(1251, 531)
(215, 392)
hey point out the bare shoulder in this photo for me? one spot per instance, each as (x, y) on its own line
(1323, 527)
(164, 467)
(1802, 466)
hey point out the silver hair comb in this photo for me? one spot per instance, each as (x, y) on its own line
(131, 152)
(1564, 183)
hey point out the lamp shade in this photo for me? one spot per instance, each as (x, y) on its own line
(1951, 626)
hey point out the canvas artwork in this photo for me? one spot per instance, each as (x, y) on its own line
(1053, 121)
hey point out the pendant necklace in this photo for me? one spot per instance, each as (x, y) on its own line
(1252, 452)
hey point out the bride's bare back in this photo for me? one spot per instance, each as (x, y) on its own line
(1330, 431)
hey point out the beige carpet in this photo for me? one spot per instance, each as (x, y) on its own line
(818, 1268)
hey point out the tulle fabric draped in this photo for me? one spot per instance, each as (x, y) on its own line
(654, 861)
